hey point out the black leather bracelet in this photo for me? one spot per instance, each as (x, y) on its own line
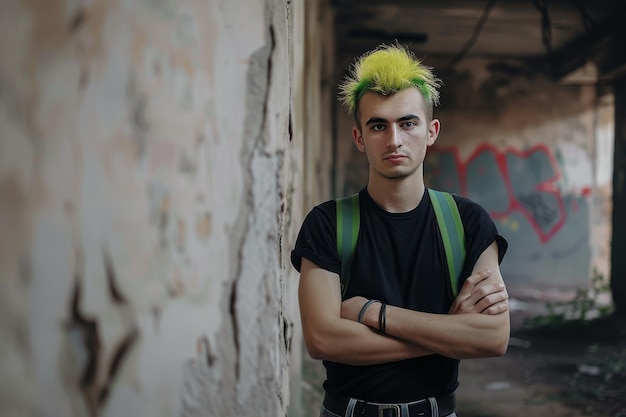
(382, 318)
(364, 308)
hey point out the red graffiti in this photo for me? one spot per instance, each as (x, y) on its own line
(539, 200)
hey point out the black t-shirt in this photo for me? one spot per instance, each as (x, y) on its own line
(399, 259)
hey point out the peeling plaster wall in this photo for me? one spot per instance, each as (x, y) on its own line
(311, 149)
(536, 154)
(145, 192)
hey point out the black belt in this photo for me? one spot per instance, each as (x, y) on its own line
(421, 408)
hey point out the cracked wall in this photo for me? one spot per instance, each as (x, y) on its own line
(146, 207)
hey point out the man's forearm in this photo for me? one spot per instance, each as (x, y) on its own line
(460, 336)
(329, 336)
(352, 343)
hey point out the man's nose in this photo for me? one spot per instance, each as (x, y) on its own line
(393, 138)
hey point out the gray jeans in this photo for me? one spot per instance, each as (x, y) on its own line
(325, 413)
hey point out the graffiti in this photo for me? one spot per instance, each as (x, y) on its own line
(504, 182)
(539, 209)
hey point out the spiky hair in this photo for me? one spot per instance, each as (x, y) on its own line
(388, 70)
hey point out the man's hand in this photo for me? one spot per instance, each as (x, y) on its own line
(479, 295)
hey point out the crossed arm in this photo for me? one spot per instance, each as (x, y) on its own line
(477, 324)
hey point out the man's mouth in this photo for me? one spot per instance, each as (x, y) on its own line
(395, 158)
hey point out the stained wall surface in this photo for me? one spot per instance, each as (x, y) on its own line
(535, 153)
(147, 207)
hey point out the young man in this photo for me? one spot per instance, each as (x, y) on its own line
(392, 345)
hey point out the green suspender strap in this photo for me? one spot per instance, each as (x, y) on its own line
(452, 234)
(348, 222)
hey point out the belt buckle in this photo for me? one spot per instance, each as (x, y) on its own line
(383, 408)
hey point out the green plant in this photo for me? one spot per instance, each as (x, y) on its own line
(578, 308)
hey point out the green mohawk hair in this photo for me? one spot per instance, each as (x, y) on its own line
(387, 70)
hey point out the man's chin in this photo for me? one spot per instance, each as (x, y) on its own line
(397, 176)
(396, 173)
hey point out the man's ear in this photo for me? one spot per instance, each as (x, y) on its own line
(358, 139)
(433, 131)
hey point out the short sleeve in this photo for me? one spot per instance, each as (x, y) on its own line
(317, 239)
(480, 232)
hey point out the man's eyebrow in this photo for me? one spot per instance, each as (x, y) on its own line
(408, 117)
(375, 120)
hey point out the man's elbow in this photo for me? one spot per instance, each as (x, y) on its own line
(488, 347)
(316, 347)
(315, 352)
(500, 347)
(496, 347)
(498, 341)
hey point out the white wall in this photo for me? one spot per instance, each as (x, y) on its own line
(147, 206)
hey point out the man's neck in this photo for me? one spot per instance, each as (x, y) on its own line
(397, 195)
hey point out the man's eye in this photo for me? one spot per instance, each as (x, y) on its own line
(378, 127)
(409, 124)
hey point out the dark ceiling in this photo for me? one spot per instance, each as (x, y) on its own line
(557, 36)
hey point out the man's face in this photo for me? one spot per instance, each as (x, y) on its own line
(394, 133)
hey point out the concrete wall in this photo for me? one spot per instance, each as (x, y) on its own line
(149, 197)
(535, 153)
(311, 148)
